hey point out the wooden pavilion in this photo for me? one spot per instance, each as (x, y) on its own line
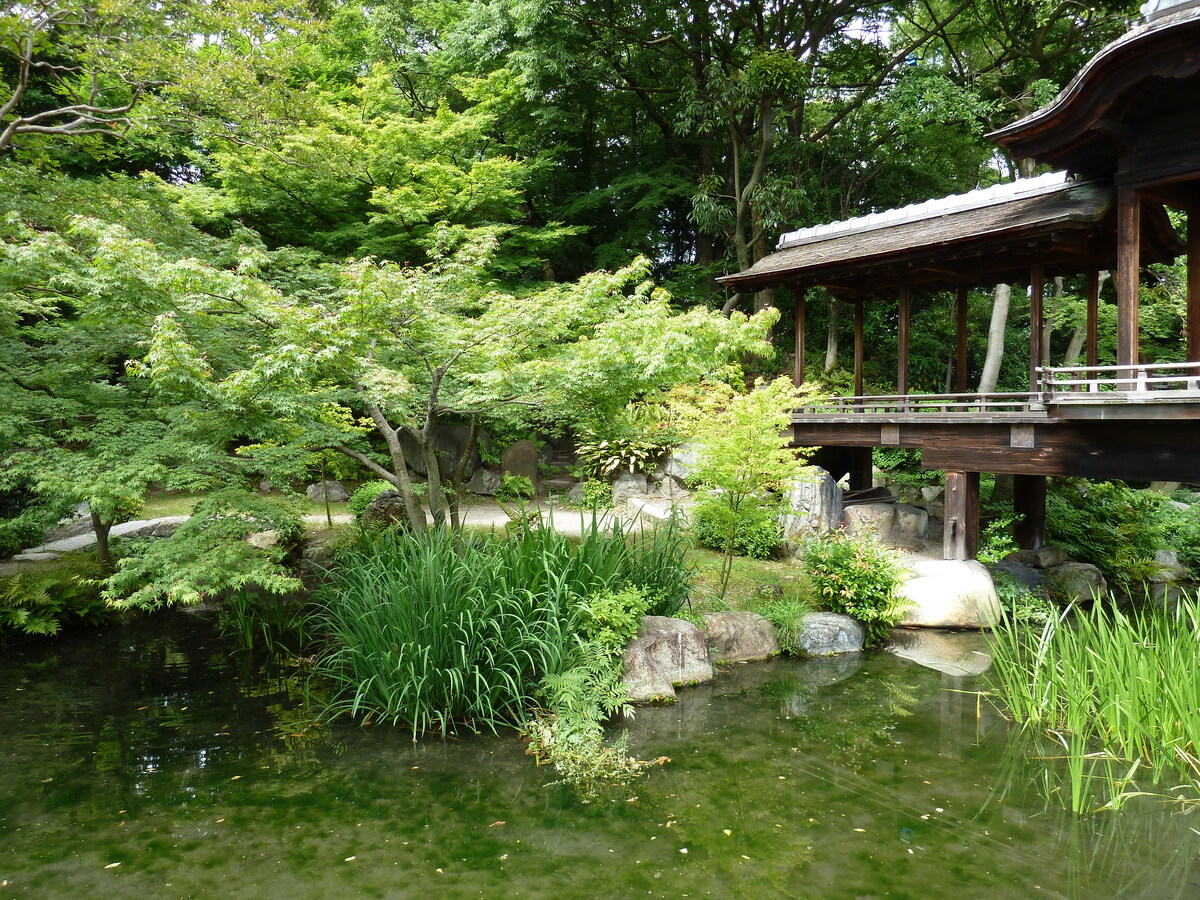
(1125, 134)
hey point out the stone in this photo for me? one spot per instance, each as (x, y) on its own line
(950, 593)
(36, 556)
(1075, 581)
(385, 511)
(931, 493)
(871, 519)
(679, 463)
(1026, 576)
(740, 636)
(911, 525)
(449, 442)
(1165, 595)
(828, 634)
(813, 505)
(629, 484)
(958, 653)
(1042, 558)
(1166, 487)
(485, 482)
(651, 511)
(575, 494)
(265, 486)
(317, 551)
(666, 650)
(334, 490)
(1169, 567)
(672, 488)
(263, 540)
(521, 459)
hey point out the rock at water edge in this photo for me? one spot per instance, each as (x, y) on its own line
(950, 593)
(740, 636)
(828, 634)
(665, 649)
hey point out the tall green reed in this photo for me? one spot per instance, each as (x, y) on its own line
(1118, 691)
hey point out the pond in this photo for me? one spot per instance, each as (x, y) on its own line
(155, 761)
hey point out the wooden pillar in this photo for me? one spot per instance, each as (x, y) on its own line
(960, 343)
(1129, 225)
(858, 348)
(1193, 286)
(1037, 322)
(960, 537)
(860, 462)
(1093, 318)
(905, 312)
(1029, 502)
(800, 310)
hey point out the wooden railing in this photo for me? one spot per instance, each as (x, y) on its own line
(1107, 384)
(915, 404)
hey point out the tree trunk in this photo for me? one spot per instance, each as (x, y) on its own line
(995, 344)
(1079, 337)
(831, 338)
(103, 553)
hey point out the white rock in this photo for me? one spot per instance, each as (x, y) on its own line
(950, 593)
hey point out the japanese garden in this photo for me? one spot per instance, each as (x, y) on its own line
(474, 448)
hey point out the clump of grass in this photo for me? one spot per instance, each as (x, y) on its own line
(785, 611)
(442, 630)
(1120, 692)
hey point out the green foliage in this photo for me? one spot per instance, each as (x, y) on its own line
(996, 539)
(1022, 605)
(856, 576)
(364, 494)
(744, 464)
(596, 495)
(41, 603)
(786, 612)
(1115, 527)
(603, 459)
(440, 632)
(209, 555)
(754, 528)
(903, 466)
(515, 487)
(265, 622)
(27, 528)
(1116, 691)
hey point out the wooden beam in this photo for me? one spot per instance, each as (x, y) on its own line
(1029, 503)
(960, 343)
(1037, 322)
(800, 294)
(1093, 317)
(960, 535)
(1137, 465)
(1129, 226)
(1193, 286)
(905, 311)
(858, 348)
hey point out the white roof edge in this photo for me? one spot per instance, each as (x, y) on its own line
(1000, 193)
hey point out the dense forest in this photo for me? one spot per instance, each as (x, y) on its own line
(271, 237)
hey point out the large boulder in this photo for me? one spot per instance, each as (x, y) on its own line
(521, 459)
(1170, 569)
(334, 491)
(954, 653)
(449, 443)
(385, 511)
(828, 634)
(813, 505)
(950, 593)
(485, 482)
(740, 636)
(1076, 581)
(629, 485)
(679, 463)
(1046, 557)
(892, 524)
(666, 652)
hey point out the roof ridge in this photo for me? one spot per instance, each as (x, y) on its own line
(928, 209)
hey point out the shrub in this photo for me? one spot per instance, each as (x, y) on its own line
(756, 531)
(515, 487)
(855, 576)
(41, 603)
(604, 458)
(1111, 525)
(364, 494)
(596, 495)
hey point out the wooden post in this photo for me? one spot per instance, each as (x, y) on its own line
(902, 364)
(1029, 502)
(860, 462)
(1129, 226)
(800, 310)
(858, 348)
(1193, 286)
(1037, 321)
(960, 358)
(960, 537)
(1093, 318)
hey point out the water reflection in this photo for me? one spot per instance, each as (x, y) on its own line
(197, 770)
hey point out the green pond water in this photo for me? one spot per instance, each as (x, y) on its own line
(154, 761)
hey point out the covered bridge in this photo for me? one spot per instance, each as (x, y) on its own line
(1125, 136)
